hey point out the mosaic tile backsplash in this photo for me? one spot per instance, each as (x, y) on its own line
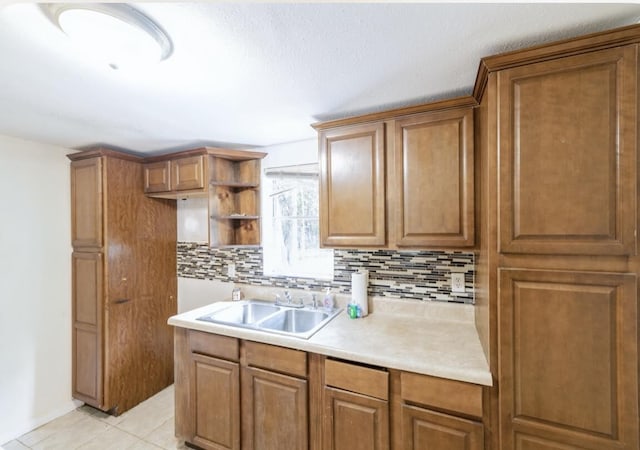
(422, 275)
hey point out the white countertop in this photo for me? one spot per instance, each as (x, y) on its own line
(436, 340)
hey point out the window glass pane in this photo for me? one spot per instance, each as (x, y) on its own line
(291, 233)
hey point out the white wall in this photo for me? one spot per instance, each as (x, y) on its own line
(35, 277)
(193, 223)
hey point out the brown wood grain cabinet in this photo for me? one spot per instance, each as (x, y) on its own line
(558, 265)
(275, 411)
(402, 181)
(86, 203)
(433, 412)
(124, 282)
(567, 159)
(352, 186)
(230, 179)
(434, 179)
(566, 358)
(227, 401)
(423, 429)
(207, 390)
(356, 407)
(275, 406)
(232, 393)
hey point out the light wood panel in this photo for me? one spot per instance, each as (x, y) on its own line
(279, 359)
(354, 421)
(214, 345)
(356, 378)
(451, 395)
(568, 358)
(390, 114)
(216, 401)
(124, 294)
(188, 173)
(352, 186)
(568, 155)
(87, 304)
(426, 430)
(87, 374)
(573, 46)
(274, 411)
(86, 203)
(434, 179)
(157, 177)
(184, 423)
(141, 287)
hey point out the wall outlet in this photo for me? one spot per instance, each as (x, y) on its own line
(457, 282)
(231, 270)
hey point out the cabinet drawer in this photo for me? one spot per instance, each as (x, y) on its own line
(355, 378)
(278, 359)
(214, 345)
(457, 396)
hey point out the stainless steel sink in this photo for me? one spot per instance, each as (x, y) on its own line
(294, 321)
(242, 314)
(268, 317)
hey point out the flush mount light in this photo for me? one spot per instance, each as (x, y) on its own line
(115, 32)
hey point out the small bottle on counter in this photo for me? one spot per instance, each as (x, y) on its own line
(353, 310)
(328, 302)
(236, 294)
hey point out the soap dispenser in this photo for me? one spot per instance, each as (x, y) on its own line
(328, 302)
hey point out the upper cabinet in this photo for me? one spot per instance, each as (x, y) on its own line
(434, 179)
(230, 179)
(568, 155)
(352, 186)
(401, 179)
(175, 175)
(86, 203)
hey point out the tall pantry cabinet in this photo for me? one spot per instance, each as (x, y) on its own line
(558, 264)
(123, 282)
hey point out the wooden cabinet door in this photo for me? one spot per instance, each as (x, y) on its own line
(87, 310)
(354, 421)
(86, 203)
(423, 429)
(157, 177)
(216, 403)
(274, 411)
(568, 155)
(568, 365)
(434, 180)
(352, 186)
(187, 173)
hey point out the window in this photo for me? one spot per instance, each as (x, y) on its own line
(291, 224)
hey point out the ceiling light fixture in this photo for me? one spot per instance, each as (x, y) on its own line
(115, 32)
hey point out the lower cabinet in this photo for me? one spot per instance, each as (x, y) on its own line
(354, 421)
(423, 429)
(435, 413)
(274, 411)
(216, 403)
(356, 410)
(568, 368)
(234, 394)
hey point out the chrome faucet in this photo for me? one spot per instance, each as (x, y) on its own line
(286, 301)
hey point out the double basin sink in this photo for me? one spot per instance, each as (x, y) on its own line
(274, 318)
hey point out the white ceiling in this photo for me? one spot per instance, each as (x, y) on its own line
(258, 74)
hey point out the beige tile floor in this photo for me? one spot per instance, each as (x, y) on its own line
(148, 426)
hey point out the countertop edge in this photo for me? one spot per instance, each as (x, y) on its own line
(476, 375)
